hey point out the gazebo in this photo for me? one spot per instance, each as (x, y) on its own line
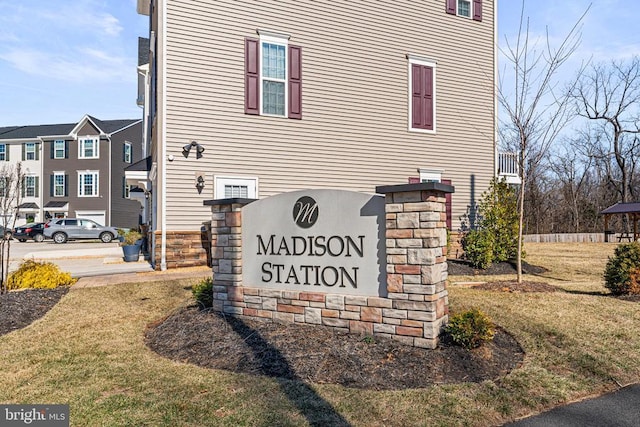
(632, 209)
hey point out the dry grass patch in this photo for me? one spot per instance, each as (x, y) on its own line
(89, 352)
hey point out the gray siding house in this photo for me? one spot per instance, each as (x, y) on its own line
(283, 95)
(76, 169)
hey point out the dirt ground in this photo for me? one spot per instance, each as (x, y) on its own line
(20, 308)
(323, 355)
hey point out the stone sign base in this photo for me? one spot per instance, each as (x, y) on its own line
(415, 308)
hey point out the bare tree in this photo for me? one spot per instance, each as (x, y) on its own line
(536, 109)
(11, 182)
(609, 94)
(571, 169)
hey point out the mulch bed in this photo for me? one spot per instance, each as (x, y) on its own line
(20, 308)
(459, 267)
(324, 355)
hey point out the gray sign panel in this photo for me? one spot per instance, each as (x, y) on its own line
(330, 241)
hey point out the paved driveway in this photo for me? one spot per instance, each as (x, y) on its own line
(80, 258)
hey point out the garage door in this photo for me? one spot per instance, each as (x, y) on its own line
(97, 216)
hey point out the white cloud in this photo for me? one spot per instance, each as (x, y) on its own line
(81, 66)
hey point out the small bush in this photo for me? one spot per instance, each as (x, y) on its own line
(203, 293)
(470, 329)
(131, 237)
(478, 248)
(493, 229)
(620, 274)
(38, 275)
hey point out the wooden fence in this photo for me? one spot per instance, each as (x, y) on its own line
(570, 238)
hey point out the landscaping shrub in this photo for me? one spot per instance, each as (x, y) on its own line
(38, 275)
(203, 293)
(478, 248)
(621, 272)
(470, 329)
(494, 236)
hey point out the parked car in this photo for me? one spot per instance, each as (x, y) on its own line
(63, 229)
(5, 233)
(34, 230)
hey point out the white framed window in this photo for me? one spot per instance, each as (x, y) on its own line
(273, 76)
(30, 151)
(88, 183)
(3, 152)
(227, 187)
(88, 147)
(422, 94)
(59, 149)
(126, 153)
(30, 186)
(126, 188)
(463, 8)
(431, 175)
(59, 184)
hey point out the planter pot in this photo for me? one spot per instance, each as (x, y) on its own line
(131, 253)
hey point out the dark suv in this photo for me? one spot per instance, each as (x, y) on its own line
(63, 229)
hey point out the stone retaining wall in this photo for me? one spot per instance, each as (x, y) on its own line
(185, 248)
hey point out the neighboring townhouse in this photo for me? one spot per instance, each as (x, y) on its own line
(249, 99)
(76, 169)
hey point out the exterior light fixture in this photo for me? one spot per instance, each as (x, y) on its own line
(199, 183)
(186, 149)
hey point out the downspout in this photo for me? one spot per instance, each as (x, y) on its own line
(110, 174)
(496, 82)
(163, 206)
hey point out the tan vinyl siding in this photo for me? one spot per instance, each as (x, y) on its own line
(354, 128)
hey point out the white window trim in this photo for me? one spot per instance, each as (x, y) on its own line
(96, 147)
(96, 184)
(26, 187)
(431, 175)
(219, 182)
(283, 40)
(4, 153)
(27, 151)
(428, 62)
(126, 189)
(128, 149)
(55, 149)
(64, 179)
(470, 9)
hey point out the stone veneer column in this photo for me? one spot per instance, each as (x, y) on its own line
(226, 251)
(416, 242)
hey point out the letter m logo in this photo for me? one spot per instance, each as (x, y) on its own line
(305, 212)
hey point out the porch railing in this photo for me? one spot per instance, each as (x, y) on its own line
(508, 167)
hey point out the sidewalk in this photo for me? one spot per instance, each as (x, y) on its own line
(147, 276)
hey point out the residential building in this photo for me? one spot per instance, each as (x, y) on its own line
(75, 169)
(250, 99)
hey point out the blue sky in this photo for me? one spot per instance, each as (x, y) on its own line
(61, 59)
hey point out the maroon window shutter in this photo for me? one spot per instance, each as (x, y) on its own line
(451, 7)
(422, 96)
(447, 204)
(477, 10)
(251, 76)
(414, 180)
(295, 82)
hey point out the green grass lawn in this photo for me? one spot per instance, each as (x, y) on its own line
(89, 352)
